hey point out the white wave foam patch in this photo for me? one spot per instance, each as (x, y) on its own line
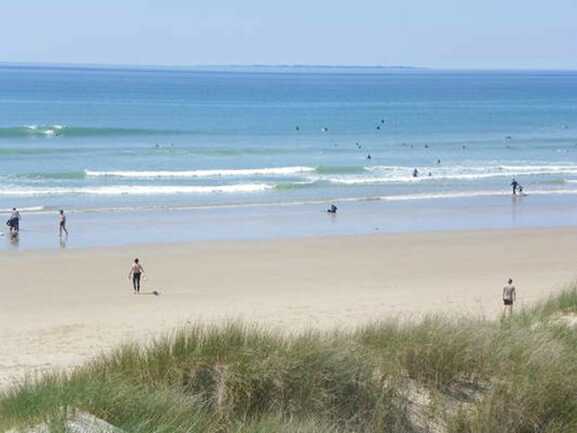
(44, 129)
(397, 174)
(25, 209)
(139, 190)
(471, 194)
(269, 171)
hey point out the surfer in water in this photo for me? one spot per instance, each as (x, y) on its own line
(332, 210)
(135, 274)
(415, 173)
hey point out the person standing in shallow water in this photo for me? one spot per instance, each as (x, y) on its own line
(14, 222)
(135, 274)
(514, 185)
(509, 297)
(62, 224)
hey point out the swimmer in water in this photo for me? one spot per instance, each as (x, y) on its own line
(415, 173)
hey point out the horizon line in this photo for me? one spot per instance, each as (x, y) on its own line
(206, 67)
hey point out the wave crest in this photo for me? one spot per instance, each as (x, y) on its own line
(76, 131)
(137, 190)
(269, 171)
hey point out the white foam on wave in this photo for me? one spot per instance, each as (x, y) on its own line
(269, 171)
(44, 129)
(398, 174)
(25, 209)
(138, 190)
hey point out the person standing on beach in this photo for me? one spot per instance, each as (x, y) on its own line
(136, 271)
(62, 224)
(509, 296)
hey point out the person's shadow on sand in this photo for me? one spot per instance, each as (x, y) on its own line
(153, 293)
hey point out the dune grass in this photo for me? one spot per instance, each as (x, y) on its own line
(438, 374)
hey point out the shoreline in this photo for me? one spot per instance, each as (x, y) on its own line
(61, 308)
(279, 221)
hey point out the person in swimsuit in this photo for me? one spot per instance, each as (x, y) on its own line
(62, 224)
(509, 297)
(135, 274)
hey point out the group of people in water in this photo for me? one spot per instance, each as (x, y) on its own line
(13, 223)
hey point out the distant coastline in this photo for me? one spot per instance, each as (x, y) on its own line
(256, 68)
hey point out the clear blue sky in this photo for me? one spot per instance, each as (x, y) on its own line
(435, 33)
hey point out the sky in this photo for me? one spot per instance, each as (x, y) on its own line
(479, 34)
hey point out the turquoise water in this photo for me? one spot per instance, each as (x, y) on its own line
(91, 140)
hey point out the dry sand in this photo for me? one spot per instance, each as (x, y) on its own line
(58, 308)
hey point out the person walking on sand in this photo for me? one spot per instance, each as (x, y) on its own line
(135, 274)
(62, 224)
(509, 296)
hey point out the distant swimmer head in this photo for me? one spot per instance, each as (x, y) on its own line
(369, 156)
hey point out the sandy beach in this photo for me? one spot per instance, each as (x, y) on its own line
(60, 307)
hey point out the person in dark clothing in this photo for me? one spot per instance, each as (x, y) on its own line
(515, 185)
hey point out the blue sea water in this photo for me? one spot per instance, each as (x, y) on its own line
(98, 140)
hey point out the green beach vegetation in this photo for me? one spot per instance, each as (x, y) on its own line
(437, 374)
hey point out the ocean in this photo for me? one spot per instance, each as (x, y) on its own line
(146, 155)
